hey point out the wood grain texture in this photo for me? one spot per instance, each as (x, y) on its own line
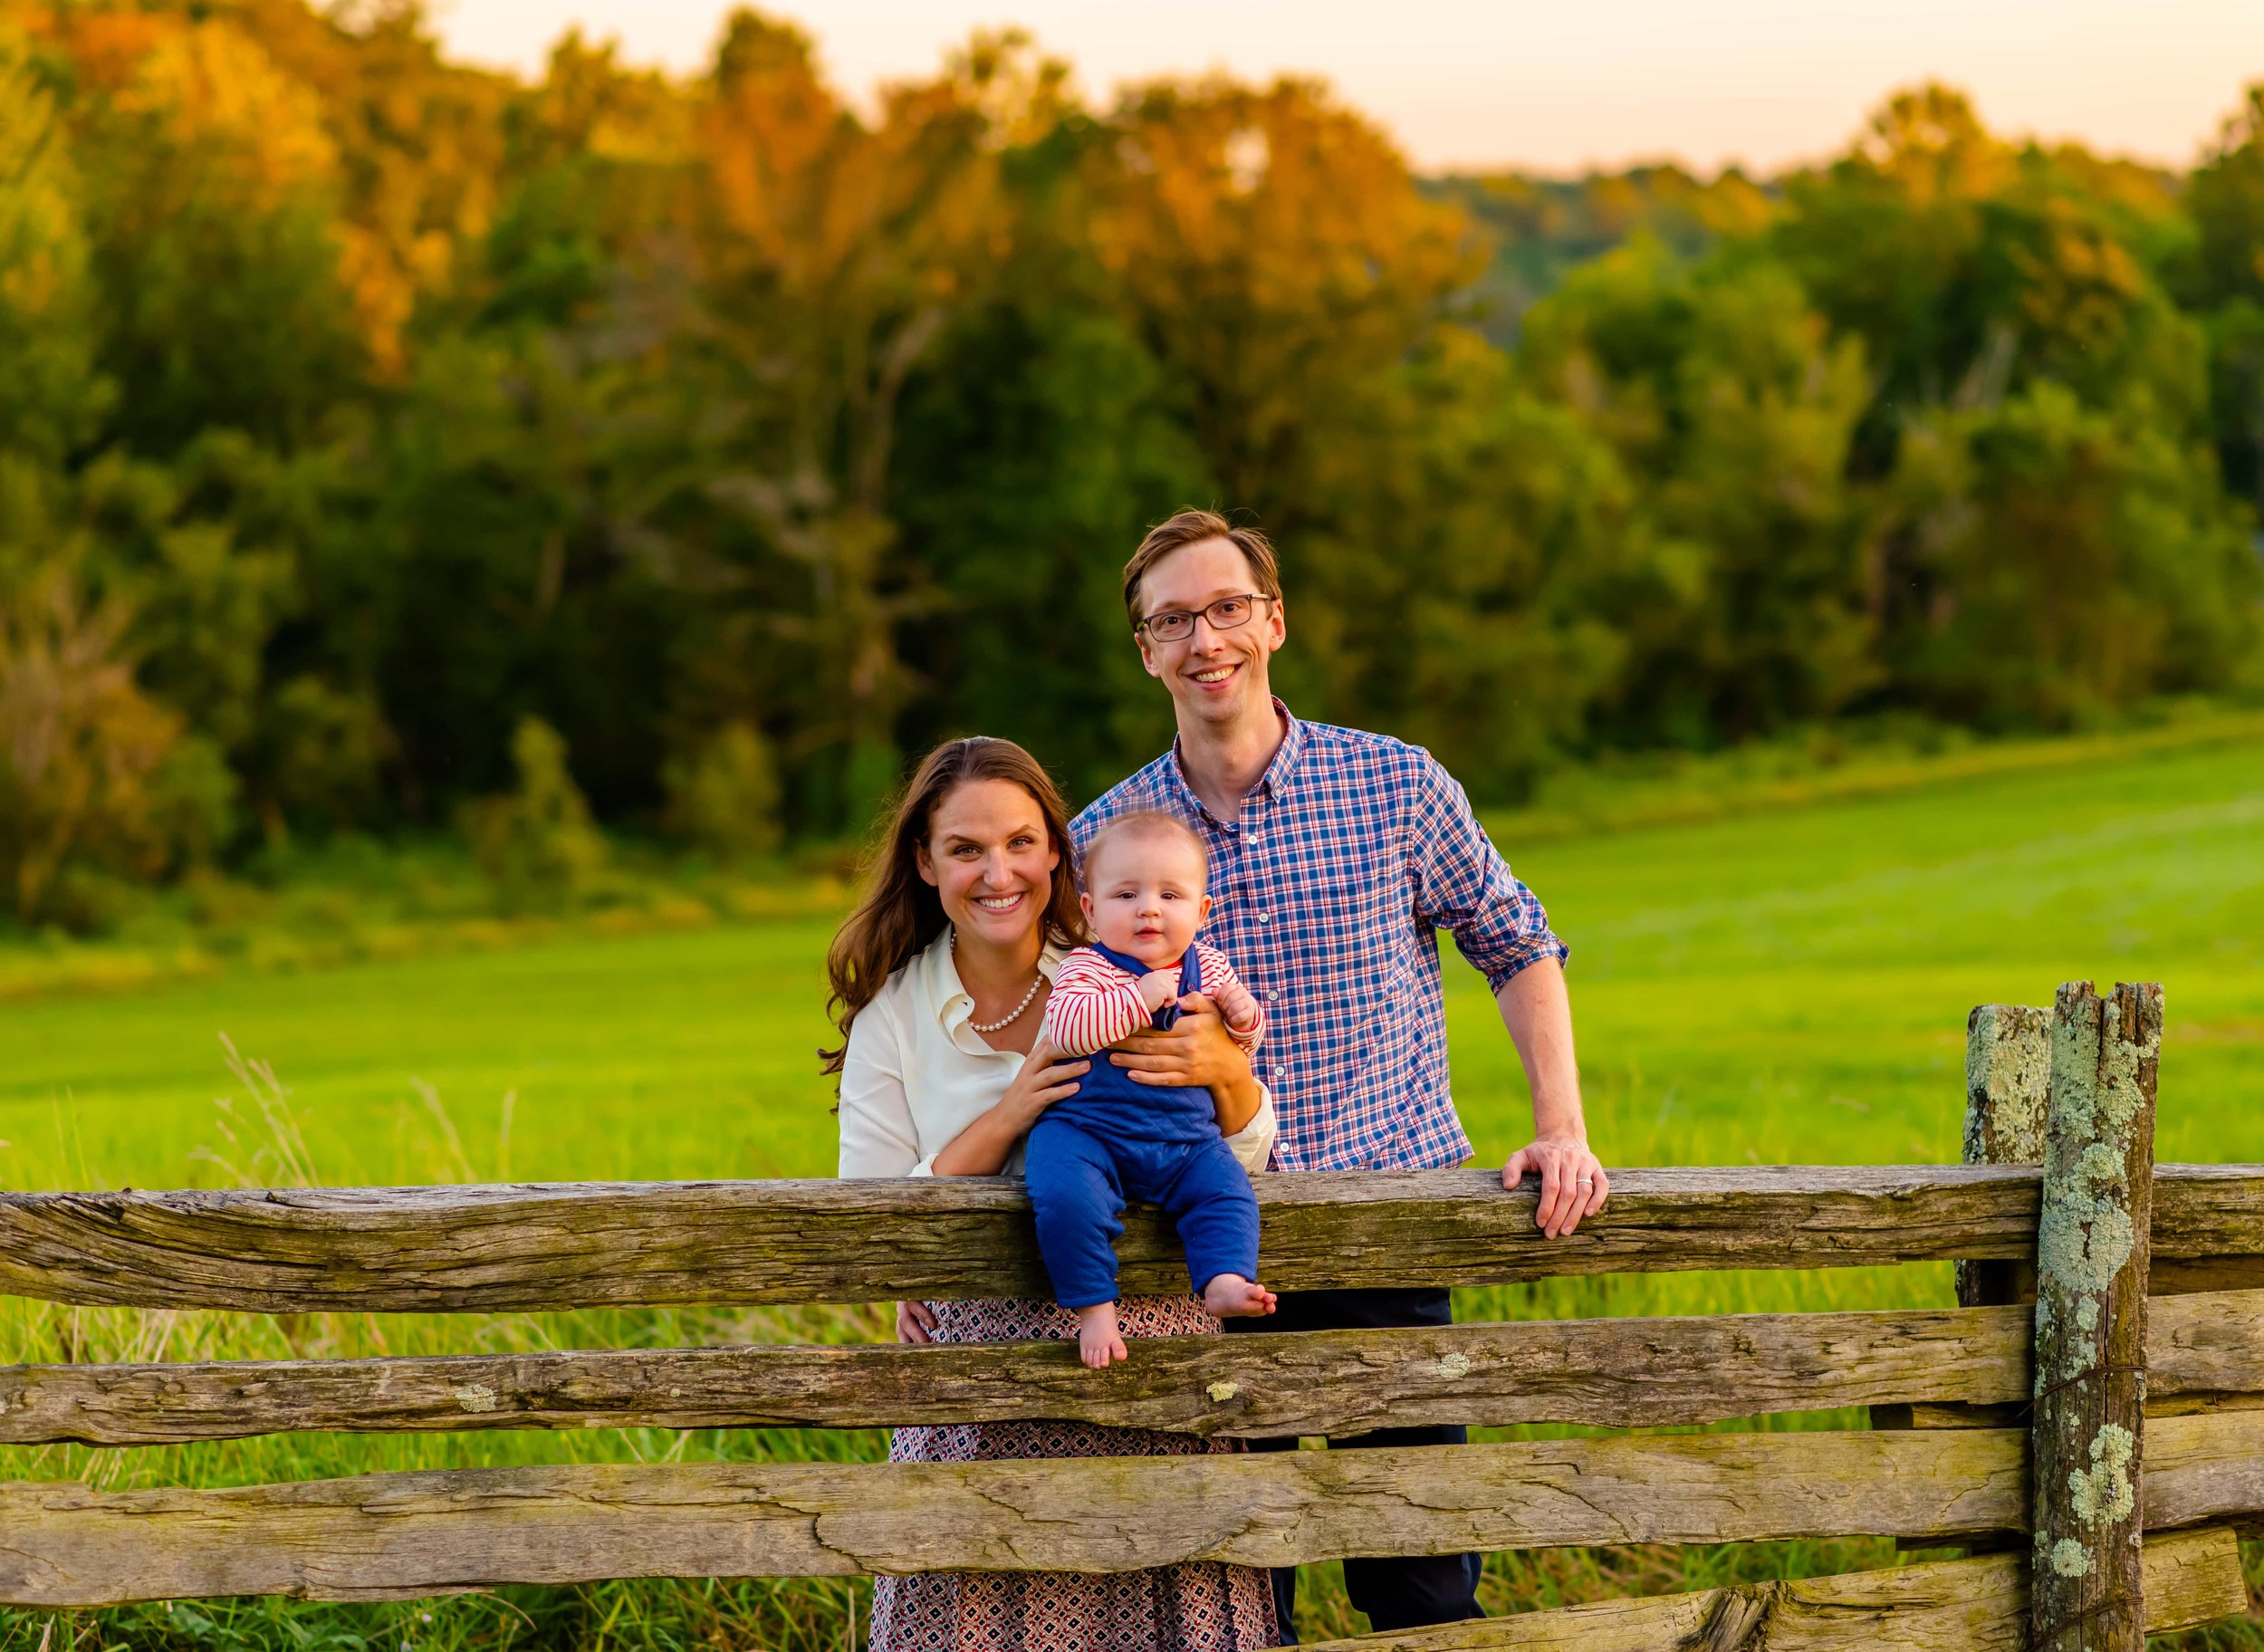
(406, 1534)
(520, 1248)
(2173, 1275)
(1943, 1605)
(393, 1536)
(1619, 1372)
(2089, 1427)
(490, 1249)
(1622, 1372)
(2008, 1061)
(2007, 1068)
(2209, 1216)
(2204, 1468)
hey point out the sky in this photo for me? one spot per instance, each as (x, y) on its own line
(1545, 85)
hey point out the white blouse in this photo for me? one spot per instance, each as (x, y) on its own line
(917, 1073)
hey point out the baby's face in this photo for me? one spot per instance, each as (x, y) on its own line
(1144, 896)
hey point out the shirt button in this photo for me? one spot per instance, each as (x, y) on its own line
(1273, 997)
(1265, 917)
(1281, 1070)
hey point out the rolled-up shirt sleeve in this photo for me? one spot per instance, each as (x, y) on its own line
(1463, 886)
(1252, 1145)
(877, 1135)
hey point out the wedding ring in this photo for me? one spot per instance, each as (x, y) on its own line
(1584, 1181)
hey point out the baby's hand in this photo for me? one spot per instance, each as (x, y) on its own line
(1235, 1003)
(1159, 987)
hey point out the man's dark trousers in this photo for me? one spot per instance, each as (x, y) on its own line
(1394, 1593)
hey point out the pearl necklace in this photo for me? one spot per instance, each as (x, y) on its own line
(1015, 1014)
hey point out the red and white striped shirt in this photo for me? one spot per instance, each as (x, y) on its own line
(1095, 1004)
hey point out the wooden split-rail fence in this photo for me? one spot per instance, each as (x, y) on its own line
(2092, 1450)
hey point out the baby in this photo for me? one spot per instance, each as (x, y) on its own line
(1117, 1138)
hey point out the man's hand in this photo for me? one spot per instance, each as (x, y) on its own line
(1158, 987)
(1572, 1182)
(1539, 1015)
(1196, 1049)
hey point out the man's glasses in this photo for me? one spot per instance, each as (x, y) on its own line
(1177, 624)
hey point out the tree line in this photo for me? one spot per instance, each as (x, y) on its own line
(377, 434)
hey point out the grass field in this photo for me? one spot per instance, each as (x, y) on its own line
(1782, 988)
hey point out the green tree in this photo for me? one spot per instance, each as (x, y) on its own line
(745, 441)
(51, 396)
(1720, 389)
(1035, 445)
(2226, 199)
(216, 241)
(537, 843)
(1466, 593)
(1277, 254)
(2077, 563)
(833, 256)
(725, 798)
(2226, 280)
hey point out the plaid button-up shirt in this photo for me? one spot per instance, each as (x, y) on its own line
(1328, 895)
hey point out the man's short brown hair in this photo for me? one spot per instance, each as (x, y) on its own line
(1192, 527)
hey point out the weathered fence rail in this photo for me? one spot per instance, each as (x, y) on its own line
(2203, 1351)
(2145, 1411)
(382, 1536)
(514, 1249)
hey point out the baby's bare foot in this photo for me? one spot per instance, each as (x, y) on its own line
(1098, 1339)
(1230, 1296)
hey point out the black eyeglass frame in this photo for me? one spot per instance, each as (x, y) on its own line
(1209, 611)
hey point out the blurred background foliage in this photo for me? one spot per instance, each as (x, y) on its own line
(390, 447)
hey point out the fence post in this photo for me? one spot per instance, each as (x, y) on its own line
(2090, 1380)
(2008, 1061)
(2008, 1068)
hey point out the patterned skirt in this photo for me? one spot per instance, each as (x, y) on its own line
(1197, 1606)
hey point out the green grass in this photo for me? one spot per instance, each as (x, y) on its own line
(1788, 986)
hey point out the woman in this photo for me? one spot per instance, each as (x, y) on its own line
(939, 981)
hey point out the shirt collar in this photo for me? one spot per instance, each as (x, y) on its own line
(948, 1000)
(1271, 783)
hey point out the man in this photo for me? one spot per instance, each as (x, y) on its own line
(1336, 857)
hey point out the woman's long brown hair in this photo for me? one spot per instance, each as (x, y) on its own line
(901, 912)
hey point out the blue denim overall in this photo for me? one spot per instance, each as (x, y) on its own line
(1116, 1140)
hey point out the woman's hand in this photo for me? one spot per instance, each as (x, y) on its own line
(916, 1322)
(1046, 1077)
(983, 1147)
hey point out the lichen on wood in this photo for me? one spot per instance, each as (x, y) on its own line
(2008, 1073)
(2088, 1372)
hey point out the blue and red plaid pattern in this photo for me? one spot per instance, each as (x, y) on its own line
(1328, 895)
